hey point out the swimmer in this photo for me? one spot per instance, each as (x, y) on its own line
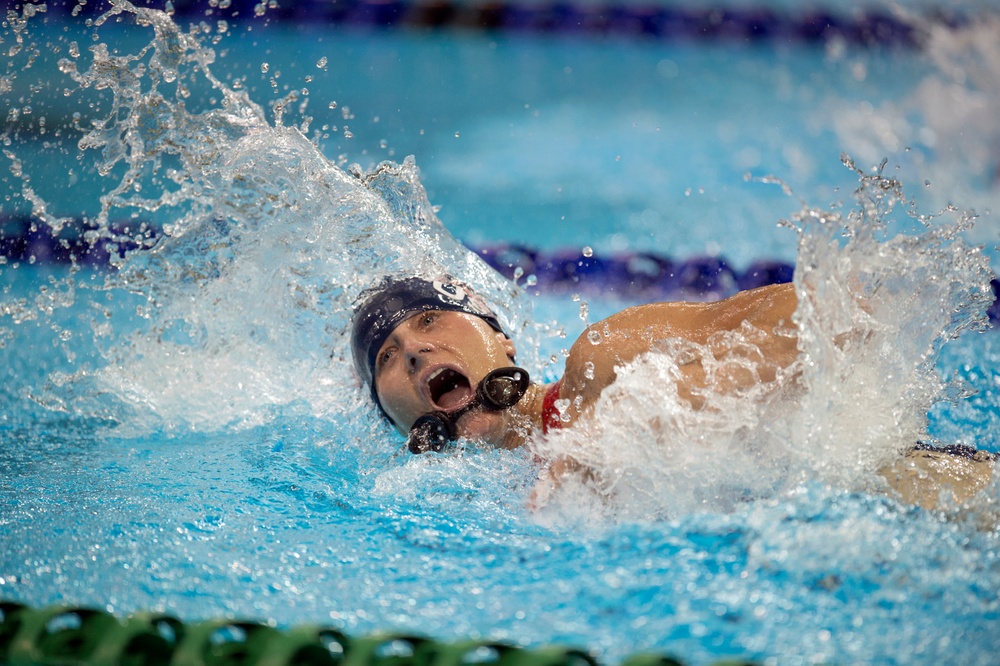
(440, 366)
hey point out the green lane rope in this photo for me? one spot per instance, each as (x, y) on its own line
(73, 636)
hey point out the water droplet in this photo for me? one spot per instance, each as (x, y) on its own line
(588, 370)
(594, 337)
(332, 105)
(264, 67)
(587, 251)
(321, 63)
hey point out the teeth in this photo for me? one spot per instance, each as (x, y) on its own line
(434, 374)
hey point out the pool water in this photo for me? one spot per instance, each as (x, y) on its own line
(183, 434)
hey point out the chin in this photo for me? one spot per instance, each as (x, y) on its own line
(483, 426)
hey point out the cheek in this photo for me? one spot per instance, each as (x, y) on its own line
(396, 405)
(487, 352)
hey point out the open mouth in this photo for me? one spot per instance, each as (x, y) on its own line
(449, 389)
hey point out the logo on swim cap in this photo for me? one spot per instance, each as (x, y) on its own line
(395, 300)
(460, 294)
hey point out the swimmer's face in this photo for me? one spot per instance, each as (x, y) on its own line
(433, 361)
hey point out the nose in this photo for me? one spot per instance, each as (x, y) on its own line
(416, 351)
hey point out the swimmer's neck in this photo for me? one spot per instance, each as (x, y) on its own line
(525, 418)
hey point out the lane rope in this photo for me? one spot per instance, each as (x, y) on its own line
(866, 27)
(62, 635)
(626, 276)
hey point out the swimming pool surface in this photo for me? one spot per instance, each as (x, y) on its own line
(179, 435)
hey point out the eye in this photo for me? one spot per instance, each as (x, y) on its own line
(384, 357)
(428, 318)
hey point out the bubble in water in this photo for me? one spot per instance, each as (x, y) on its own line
(265, 232)
(866, 312)
(587, 251)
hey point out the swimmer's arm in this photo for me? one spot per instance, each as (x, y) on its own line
(590, 367)
(933, 479)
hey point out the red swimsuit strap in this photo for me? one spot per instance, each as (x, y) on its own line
(550, 414)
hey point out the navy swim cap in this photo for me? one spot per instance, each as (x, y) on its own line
(397, 299)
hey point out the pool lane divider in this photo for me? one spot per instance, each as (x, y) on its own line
(734, 22)
(632, 276)
(64, 635)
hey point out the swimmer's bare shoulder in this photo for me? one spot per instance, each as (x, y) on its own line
(619, 339)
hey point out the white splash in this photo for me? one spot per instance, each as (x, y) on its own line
(877, 301)
(246, 295)
(946, 131)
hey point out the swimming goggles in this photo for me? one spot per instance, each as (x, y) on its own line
(501, 389)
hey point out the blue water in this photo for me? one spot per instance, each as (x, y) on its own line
(229, 486)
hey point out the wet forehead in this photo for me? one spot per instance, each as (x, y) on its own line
(411, 325)
(407, 328)
(447, 322)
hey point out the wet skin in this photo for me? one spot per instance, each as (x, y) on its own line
(590, 368)
(434, 360)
